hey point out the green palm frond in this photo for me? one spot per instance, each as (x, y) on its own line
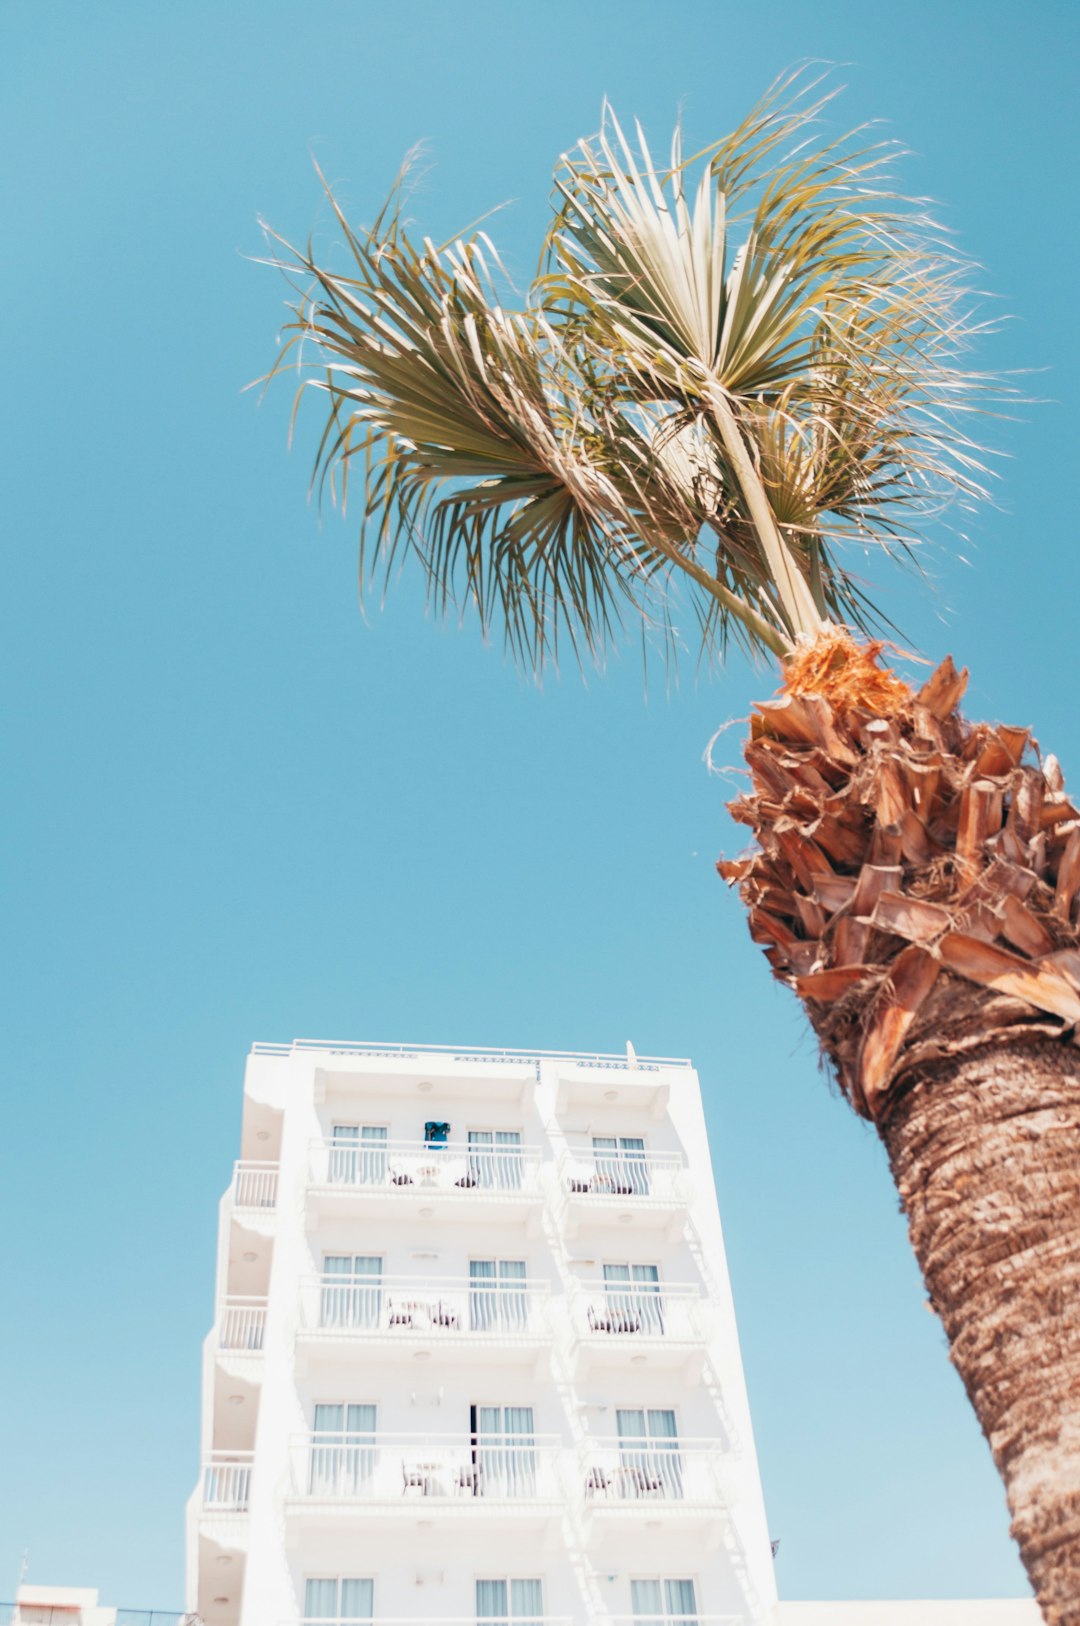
(728, 368)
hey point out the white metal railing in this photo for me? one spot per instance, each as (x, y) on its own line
(472, 1620)
(638, 1310)
(404, 1052)
(241, 1324)
(388, 1469)
(622, 1472)
(446, 1307)
(255, 1185)
(657, 1177)
(696, 1619)
(468, 1171)
(226, 1481)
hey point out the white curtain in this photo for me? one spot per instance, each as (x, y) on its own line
(357, 1599)
(491, 1600)
(482, 1294)
(518, 1601)
(321, 1599)
(330, 1599)
(646, 1600)
(526, 1603)
(680, 1601)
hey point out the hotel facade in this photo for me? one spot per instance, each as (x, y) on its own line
(474, 1355)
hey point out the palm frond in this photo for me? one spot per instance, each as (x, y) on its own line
(730, 366)
(834, 335)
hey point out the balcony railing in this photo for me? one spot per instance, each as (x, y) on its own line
(40, 1614)
(629, 1177)
(391, 1469)
(403, 1166)
(226, 1482)
(458, 1620)
(466, 1053)
(636, 1311)
(255, 1185)
(627, 1472)
(441, 1307)
(241, 1324)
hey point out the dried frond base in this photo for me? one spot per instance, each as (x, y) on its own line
(916, 876)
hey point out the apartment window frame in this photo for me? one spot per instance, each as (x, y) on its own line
(510, 1616)
(356, 1162)
(621, 1169)
(338, 1582)
(635, 1304)
(346, 1455)
(493, 1461)
(667, 1616)
(352, 1299)
(651, 1462)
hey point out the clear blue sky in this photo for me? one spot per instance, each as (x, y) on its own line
(235, 811)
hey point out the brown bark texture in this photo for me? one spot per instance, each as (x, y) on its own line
(983, 1148)
(915, 880)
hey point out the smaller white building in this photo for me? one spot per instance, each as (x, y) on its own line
(37, 1605)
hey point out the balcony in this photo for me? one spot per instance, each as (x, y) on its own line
(254, 1188)
(654, 1485)
(220, 1503)
(475, 1321)
(241, 1326)
(438, 1183)
(662, 1327)
(385, 1480)
(647, 1191)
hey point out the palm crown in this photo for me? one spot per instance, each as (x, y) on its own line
(727, 369)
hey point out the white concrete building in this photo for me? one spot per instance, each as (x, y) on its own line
(474, 1355)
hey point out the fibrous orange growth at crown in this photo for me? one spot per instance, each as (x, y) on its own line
(847, 674)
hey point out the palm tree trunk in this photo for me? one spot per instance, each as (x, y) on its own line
(985, 1152)
(916, 880)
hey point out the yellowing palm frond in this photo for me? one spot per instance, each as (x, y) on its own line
(729, 367)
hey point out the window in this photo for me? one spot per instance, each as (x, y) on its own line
(664, 1603)
(521, 1602)
(632, 1301)
(351, 1292)
(358, 1154)
(495, 1158)
(621, 1168)
(342, 1449)
(503, 1451)
(649, 1464)
(333, 1599)
(498, 1301)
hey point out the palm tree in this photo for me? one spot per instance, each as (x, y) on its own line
(729, 370)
